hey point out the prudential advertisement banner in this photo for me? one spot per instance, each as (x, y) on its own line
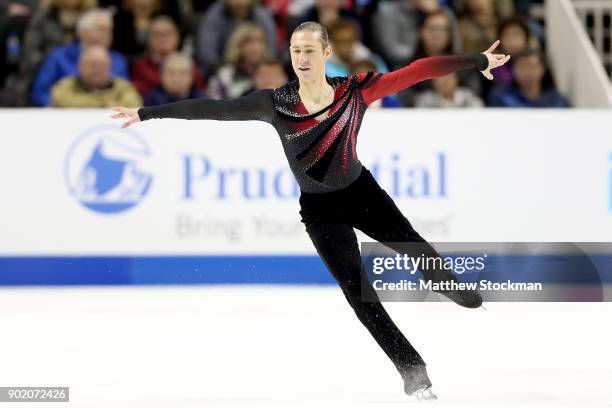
(75, 184)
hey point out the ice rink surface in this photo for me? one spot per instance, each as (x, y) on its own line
(290, 346)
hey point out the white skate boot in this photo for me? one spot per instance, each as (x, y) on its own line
(417, 384)
(425, 394)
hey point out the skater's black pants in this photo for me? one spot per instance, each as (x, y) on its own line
(329, 219)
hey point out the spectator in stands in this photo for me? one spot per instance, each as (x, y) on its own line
(522, 8)
(326, 12)
(183, 12)
(435, 40)
(447, 93)
(164, 39)
(280, 13)
(176, 9)
(435, 36)
(532, 86)
(344, 36)
(366, 65)
(93, 86)
(515, 37)
(53, 25)
(131, 26)
(220, 21)
(297, 8)
(269, 74)
(245, 50)
(177, 81)
(14, 18)
(396, 27)
(95, 27)
(479, 21)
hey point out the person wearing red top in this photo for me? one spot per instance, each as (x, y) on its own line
(164, 39)
(317, 119)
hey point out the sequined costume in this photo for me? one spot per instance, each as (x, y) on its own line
(322, 154)
(337, 192)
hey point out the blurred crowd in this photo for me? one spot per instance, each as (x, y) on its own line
(103, 53)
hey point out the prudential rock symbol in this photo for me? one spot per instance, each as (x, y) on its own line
(106, 169)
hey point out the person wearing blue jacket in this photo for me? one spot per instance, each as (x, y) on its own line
(531, 87)
(95, 27)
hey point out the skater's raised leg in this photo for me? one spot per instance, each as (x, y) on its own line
(380, 218)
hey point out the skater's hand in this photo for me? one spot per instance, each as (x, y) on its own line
(126, 113)
(495, 60)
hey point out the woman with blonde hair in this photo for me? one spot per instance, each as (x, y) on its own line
(245, 49)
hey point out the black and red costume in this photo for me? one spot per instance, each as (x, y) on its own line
(337, 192)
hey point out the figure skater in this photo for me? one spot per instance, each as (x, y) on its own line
(317, 118)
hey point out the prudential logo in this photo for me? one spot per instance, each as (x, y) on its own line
(105, 169)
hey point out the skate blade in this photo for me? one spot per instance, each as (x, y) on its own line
(425, 395)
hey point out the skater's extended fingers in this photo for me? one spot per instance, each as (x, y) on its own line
(120, 112)
(487, 74)
(132, 119)
(493, 46)
(502, 61)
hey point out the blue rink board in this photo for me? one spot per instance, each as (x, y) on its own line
(145, 270)
(263, 269)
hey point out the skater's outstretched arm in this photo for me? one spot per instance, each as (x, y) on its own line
(431, 67)
(254, 106)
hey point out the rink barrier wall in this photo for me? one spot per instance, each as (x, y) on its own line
(84, 201)
(262, 269)
(153, 270)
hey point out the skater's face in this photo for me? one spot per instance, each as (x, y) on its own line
(308, 57)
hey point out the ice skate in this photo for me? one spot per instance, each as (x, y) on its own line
(425, 394)
(417, 383)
